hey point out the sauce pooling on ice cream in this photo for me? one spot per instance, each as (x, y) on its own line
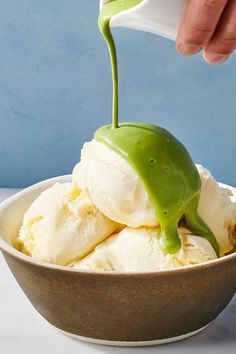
(162, 163)
(168, 174)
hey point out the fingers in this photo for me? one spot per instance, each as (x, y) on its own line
(223, 42)
(199, 24)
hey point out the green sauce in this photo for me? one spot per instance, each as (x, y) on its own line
(110, 9)
(168, 174)
(162, 163)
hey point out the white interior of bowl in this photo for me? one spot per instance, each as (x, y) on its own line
(13, 209)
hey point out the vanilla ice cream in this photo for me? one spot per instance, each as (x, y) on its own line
(217, 207)
(62, 225)
(138, 250)
(113, 186)
(79, 223)
(117, 191)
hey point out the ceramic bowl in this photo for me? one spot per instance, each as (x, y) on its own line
(111, 307)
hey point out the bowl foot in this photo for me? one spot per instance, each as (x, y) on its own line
(132, 344)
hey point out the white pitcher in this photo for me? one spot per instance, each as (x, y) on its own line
(162, 17)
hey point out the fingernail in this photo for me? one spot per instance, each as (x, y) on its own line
(188, 49)
(213, 58)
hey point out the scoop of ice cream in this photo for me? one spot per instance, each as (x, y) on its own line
(117, 191)
(113, 186)
(139, 250)
(63, 225)
(217, 207)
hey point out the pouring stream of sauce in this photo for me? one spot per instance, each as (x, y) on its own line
(110, 9)
(162, 163)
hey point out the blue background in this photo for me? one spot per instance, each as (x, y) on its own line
(55, 90)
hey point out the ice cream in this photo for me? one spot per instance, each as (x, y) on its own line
(79, 223)
(115, 189)
(138, 250)
(113, 186)
(217, 207)
(63, 225)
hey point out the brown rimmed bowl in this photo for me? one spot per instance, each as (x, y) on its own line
(116, 308)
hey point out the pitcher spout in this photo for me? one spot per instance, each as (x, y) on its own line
(161, 17)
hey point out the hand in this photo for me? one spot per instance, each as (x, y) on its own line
(209, 25)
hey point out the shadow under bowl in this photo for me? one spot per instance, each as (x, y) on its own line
(128, 308)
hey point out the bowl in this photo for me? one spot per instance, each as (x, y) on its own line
(118, 308)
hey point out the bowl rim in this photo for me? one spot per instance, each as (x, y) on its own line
(10, 250)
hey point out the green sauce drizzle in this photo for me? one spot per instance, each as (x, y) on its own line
(162, 163)
(110, 9)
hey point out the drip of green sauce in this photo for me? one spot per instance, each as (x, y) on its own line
(162, 163)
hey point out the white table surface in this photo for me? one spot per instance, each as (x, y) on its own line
(24, 331)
